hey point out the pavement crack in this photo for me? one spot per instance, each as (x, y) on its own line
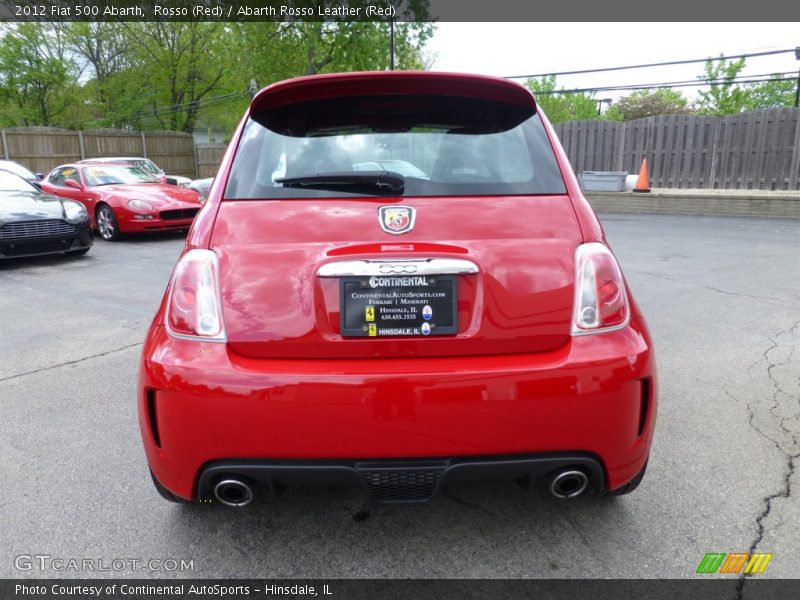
(784, 492)
(70, 362)
(782, 301)
(785, 441)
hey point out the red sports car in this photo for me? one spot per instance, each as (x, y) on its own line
(463, 319)
(124, 198)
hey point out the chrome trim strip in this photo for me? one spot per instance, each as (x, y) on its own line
(407, 266)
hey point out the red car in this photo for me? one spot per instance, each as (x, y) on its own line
(124, 198)
(464, 319)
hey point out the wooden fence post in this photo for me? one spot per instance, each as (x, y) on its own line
(714, 147)
(794, 172)
(194, 155)
(620, 160)
(81, 148)
(144, 145)
(5, 143)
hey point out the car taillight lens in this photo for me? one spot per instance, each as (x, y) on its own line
(601, 302)
(193, 306)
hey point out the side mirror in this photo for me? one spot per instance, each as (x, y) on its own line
(71, 183)
(39, 176)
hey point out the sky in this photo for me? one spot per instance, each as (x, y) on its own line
(506, 49)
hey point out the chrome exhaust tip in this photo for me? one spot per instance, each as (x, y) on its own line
(569, 484)
(232, 492)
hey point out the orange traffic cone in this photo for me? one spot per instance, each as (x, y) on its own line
(643, 185)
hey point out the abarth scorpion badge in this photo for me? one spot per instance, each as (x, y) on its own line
(396, 219)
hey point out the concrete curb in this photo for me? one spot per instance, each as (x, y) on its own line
(734, 203)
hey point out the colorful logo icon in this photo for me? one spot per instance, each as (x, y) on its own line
(427, 312)
(426, 328)
(396, 219)
(372, 330)
(720, 562)
(369, 313)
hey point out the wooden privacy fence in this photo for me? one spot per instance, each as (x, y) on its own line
(758, 150)
(41, 149)
(208, 158)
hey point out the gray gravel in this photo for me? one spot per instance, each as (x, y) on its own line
(723, 301)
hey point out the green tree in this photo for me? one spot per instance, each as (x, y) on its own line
(163, 75)
(560, 107)
(772, 94)
(648, 103)
(274, 51)
(103, 52)
(173, 67)
(724, 96)
(37, 81)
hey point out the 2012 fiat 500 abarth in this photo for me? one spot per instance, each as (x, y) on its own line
(396, 282)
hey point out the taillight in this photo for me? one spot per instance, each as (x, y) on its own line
(193, 305)
(601, 302)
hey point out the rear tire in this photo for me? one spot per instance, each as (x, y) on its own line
(166, 494)
(107, 225)
(631, 485)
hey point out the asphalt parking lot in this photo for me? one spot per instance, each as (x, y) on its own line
(722, 296)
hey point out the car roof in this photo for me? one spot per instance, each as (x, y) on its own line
(112, 159)
(94, 163)
(17, 175)
(82, 165)
(14, 167)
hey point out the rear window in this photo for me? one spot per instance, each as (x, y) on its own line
(431, 146)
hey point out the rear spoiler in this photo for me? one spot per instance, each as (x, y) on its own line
(377, 83)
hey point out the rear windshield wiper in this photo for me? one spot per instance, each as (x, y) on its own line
(382, 181)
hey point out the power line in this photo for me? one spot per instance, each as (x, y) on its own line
(703, 81)
(660, 64)
(233, 96)
(178, 108)
(175, 108)
(652, 86)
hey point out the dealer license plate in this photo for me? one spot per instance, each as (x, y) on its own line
(399, 305)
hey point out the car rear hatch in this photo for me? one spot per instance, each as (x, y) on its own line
(471, 254)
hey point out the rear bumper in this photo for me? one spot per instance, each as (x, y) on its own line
(201, 407)
(394, 481)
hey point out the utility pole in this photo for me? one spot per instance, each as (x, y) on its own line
(391, 44)
(600, 103)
